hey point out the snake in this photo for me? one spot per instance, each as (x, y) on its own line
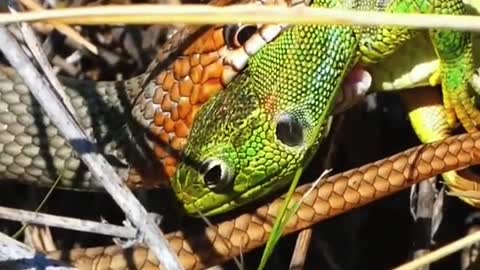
(334, 196)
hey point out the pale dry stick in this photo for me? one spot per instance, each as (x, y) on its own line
(301, 249)
(43, 28)
(95, 162)
(469, 255)
(207, 14)
(63, 28)
(67, 223)
(424, 215)
(17, 255)
(35, 48)
(42, 60)
(441, 252)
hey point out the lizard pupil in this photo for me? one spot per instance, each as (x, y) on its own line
(217, 175)
(236, 36)
(289, 130)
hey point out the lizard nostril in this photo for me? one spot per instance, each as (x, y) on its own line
(213, 175)
(217, 176)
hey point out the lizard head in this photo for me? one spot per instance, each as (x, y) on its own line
(251, 138)
(242, 146)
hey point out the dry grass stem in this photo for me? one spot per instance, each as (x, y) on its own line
(207, 14)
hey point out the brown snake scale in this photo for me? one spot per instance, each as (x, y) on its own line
(333, 196)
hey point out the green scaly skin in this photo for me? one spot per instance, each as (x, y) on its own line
(426, 111)
(235, 153)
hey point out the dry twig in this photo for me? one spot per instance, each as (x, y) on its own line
(66, 223)
(207, 14)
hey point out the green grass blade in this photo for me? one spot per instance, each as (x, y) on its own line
(285, 214)
(280, 221)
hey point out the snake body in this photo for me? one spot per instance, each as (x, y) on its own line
(32, 148)
(336, 195)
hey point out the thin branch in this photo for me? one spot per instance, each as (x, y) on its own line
(207, 14)
(96, 163)
(441, 252)
(66, 223)
(39, 55)
(301, 250)
(423, 218)
(64, 29)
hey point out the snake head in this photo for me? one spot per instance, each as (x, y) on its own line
(242, 146)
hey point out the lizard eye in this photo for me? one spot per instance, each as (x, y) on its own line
(236, 35)
(289, 130)
(217, 175)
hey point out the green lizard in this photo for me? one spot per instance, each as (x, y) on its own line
(249, 140)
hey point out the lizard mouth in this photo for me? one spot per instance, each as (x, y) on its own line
(354, 88)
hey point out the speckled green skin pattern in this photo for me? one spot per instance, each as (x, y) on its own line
(32, 149)
(298, 75)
